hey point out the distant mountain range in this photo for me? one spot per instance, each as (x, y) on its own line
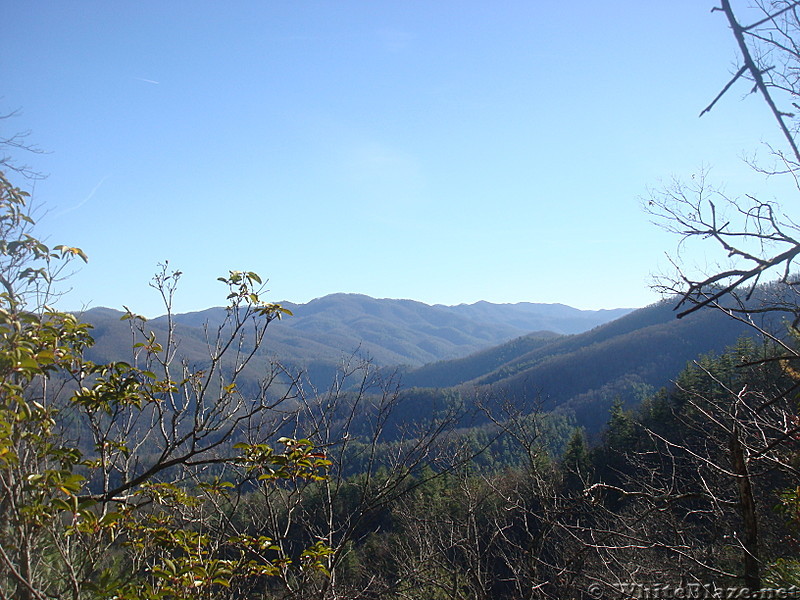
(569, 360)
(389, 332)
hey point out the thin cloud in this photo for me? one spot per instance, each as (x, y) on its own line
(148, 80)
(85, 200)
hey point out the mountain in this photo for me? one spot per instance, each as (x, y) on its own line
(450, 373)
(582, 374)
(389, 332)
(558, 318)
(521, 352)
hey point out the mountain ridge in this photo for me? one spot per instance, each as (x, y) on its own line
(583, 373)
(390, 332)
(498, 350)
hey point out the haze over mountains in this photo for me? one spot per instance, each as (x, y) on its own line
(570, 360)
(389, 332)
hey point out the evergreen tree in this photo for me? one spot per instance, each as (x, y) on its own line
(576, 465)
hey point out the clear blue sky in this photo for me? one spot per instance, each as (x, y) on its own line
(442, 151)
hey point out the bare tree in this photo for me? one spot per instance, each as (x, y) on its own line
(12, 144)
(693, 502)
(757, 239)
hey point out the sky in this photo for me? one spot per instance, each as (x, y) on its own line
(446, 152)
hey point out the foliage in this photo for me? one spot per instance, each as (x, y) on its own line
(692, 478)
(103, 466)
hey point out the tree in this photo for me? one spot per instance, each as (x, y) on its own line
(761, 241)
(11, 144)
(699, 491)
(110, 474)
(756, 235)
(375, 460)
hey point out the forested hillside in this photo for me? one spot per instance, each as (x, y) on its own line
(577, 375)
(581, 375)
(322, 333)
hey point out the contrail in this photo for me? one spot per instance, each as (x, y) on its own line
(85, 200)
(147, 80)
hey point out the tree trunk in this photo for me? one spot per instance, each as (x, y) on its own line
(747, 507)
